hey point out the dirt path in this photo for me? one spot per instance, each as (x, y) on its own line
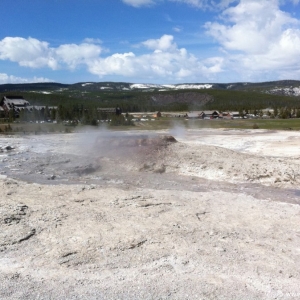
(83, 218)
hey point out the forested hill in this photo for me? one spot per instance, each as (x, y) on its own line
(21, 87)
(287, 87)
(139, 97)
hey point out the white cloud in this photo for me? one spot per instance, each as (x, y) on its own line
(258, 38)
(282, 58)
(177, 29)
(5, 78)
(166, 62)
(92, 41)
(196, 3)
(165, 43)
(73, 55)
(139, 3)
(203, 4)
(37, 54)
(120, 64)
(251, 26)
(27, 52)
(161, 59)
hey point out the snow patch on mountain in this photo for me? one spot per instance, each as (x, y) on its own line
(164, 87)
(230, 86)
(288, 91)
(189, 86)
(144, 86)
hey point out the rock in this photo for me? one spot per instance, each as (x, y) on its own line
(8, 148)
(161, 169)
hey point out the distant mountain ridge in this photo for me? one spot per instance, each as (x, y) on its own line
(283, 87)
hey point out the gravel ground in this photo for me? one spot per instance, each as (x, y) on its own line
(213, 214)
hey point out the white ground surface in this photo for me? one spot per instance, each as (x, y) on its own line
(261, 142)
(214, 216)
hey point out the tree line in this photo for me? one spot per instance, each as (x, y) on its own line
(86, 107)
(73, 114)
(92, 115)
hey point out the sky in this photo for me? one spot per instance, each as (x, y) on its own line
(149, 41)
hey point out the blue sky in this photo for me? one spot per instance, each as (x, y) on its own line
(149, 41)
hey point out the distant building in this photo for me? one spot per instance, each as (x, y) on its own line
(209, 114)
(18, 103)
(193, 114)
(231, 115)
(15, 103)
(2, 113)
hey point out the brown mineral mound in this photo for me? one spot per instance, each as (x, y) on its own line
(138, 152)
(137, 147)
(134, 141)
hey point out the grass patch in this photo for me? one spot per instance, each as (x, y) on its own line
(29, 128)
(161, 124)
(271, 124)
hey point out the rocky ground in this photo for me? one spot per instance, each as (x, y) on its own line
(198, 214)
